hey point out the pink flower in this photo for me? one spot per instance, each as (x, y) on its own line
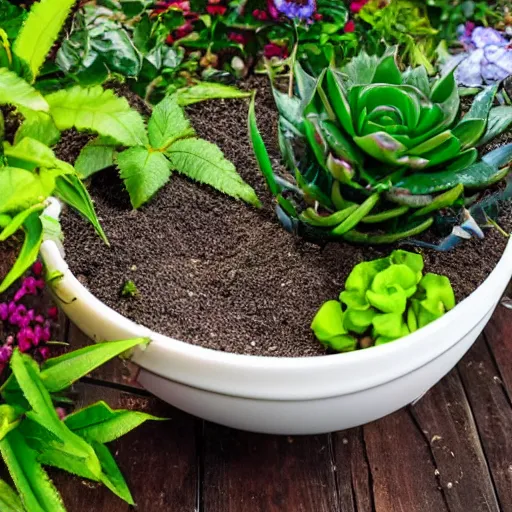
(275, 50)
(26, 339)
(349, 27)
(357, 5)
(4, 311)
(37, 269)
(216, 10)
(53, 313)
(5, 354)
(44, 352)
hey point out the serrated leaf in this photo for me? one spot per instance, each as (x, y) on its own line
(112, 476)
(500, 119)
(60, 372)
(37, 491)
(96, 155)
(73, 192)
(9, 419)
(203, 161)
(15, 91)
(28, 253)
(40, 31)
(209, 91)
(97, 110)
(38, 126)
(167, 123)
(9, 499)
(144, 173)
(102, 424)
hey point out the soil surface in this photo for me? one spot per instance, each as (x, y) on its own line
(217, 273)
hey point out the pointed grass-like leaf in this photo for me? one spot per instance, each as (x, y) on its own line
(290, 108)
(97, 110)
(29, 250)
(111, 477)
(387, 71)
(339, 101)
(37, 492)
(500, 156)
(9, 419)
(101, 424)
(500, 119)
(385, 215)
(203, 161)
(203, 91)
(445, 93)
(15, 91)
(18, 220)
(441, 201)
(355, 217)
(305, 83)
(473, 124)
(9, 499)
(144, 173)
(40, 31)
(339, 143)
(260, 150)
(309, 216)
(73, 192)
(96, 155)
(60, 372)
(168, 123)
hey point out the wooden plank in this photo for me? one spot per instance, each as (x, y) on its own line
(117, 371)
(158, 460)
(498, 334)
(493, 416)
(402, 468)
(258, 473)
(445, 418)
(352, 471)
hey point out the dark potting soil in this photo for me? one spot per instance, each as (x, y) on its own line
(218, 273)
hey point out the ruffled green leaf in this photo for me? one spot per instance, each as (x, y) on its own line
(358, 320)
(390, 325)
(329, 330)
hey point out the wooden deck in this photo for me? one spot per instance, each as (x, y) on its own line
(451, 452)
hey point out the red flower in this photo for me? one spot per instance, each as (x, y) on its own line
(349, 27)
(216, 10)
(260, 15)
(237, 38)
(275, 50)
(184, 30)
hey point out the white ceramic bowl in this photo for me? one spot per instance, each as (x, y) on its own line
(282, 395)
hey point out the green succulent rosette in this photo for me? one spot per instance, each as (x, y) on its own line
(376, 153)
(383, 300)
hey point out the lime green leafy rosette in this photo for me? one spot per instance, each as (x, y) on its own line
(383, 299)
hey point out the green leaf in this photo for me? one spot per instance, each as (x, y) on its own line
(38, 126)
(9, 419)
(18, 220)
(500, 156)
(21, 189)
(329, 329)
(473, 124)
(40, 31)
(60, 372)
(102, 424)
(355, 217)
(209, 91)
(29, 154)
(15, 91)
(500, 118)
(96, 155)
(144, 173)
(441, 201)
(168, 123)
(387, 70)
(417, 77)
(73, 192)
(37, 491)
(203, 161)
(361, 69)
(28, 253)
(260, 150)
(339, 101)
(9, 500)
(112, 476)
(100, 111)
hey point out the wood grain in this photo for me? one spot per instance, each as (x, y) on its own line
(402, 467)
(493, 416)
(258, 473)
(445, 418)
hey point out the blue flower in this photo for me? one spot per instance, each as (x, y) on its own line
(296, 9)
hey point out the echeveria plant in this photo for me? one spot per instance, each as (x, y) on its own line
(376, 152)
(35, 432)
(383, 300)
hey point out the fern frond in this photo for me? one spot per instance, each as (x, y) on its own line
(204, 162)
(98, 110)
(40, 31)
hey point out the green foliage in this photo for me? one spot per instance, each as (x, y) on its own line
(370, 147)
(383, 300)
(40, 31)
(130, 290)
(17, 92)
(32, 435)
(11, 18)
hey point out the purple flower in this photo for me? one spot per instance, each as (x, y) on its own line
(5, 354)
(296, 9)
(4, 311)
(26, 339)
